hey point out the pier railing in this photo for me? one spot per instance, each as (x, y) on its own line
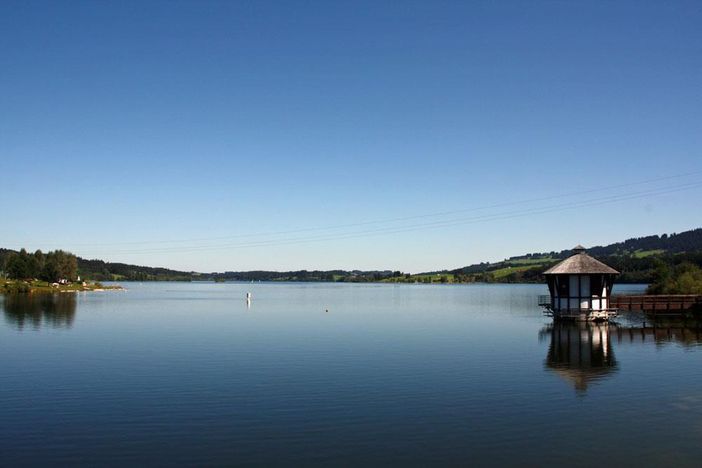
(544, 300)
(658, 303)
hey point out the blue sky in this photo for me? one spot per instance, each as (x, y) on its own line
(283, 135)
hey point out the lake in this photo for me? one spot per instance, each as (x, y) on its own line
(321, 374)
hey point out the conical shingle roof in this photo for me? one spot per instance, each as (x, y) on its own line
(580, 263)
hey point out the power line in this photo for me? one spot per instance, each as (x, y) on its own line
(384, 220)
(425, 226)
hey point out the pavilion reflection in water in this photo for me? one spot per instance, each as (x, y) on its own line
(580, 352)
(37, 310)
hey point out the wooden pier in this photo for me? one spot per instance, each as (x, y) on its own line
(671, 304)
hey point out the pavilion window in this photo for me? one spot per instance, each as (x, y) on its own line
(563, 289)
(596, 285)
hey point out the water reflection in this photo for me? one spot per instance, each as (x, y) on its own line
(580, 352)
(685, 334)
(35, 310)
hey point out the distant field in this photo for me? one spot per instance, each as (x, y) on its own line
(502, 272)
(647, 253)
(531, 261)
(36, 286)
(426, 278)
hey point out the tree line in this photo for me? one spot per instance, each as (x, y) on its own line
(675, 249)
(683, 278)
(686, 241)
(51, 266)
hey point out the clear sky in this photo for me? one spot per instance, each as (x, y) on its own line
(371, 135)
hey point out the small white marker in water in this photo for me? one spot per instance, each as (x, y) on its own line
(248, 296)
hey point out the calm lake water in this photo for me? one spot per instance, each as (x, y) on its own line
(188, 374)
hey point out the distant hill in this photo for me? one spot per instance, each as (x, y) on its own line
(99, 270)
(108, 271)
(636, 258)
(687, 241)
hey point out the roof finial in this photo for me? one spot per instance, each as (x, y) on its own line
(579, 249)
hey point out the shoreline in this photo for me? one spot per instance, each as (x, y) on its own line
(44, 287)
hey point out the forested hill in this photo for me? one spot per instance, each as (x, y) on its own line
(108, 271)
(688, 241)
(636, 258)
(99, 270)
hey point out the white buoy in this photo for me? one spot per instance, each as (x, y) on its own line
(248, 296)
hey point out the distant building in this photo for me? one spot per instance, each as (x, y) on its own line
(579, 287)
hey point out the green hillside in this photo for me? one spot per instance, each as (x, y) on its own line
(638, 259)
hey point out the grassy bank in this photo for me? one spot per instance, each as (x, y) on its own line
(36, 286)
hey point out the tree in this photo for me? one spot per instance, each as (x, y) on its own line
(38, 263)
(689, 281)
(17, 266)
(661, 278)
(51, 267)
(685, 278)
(60, 265)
